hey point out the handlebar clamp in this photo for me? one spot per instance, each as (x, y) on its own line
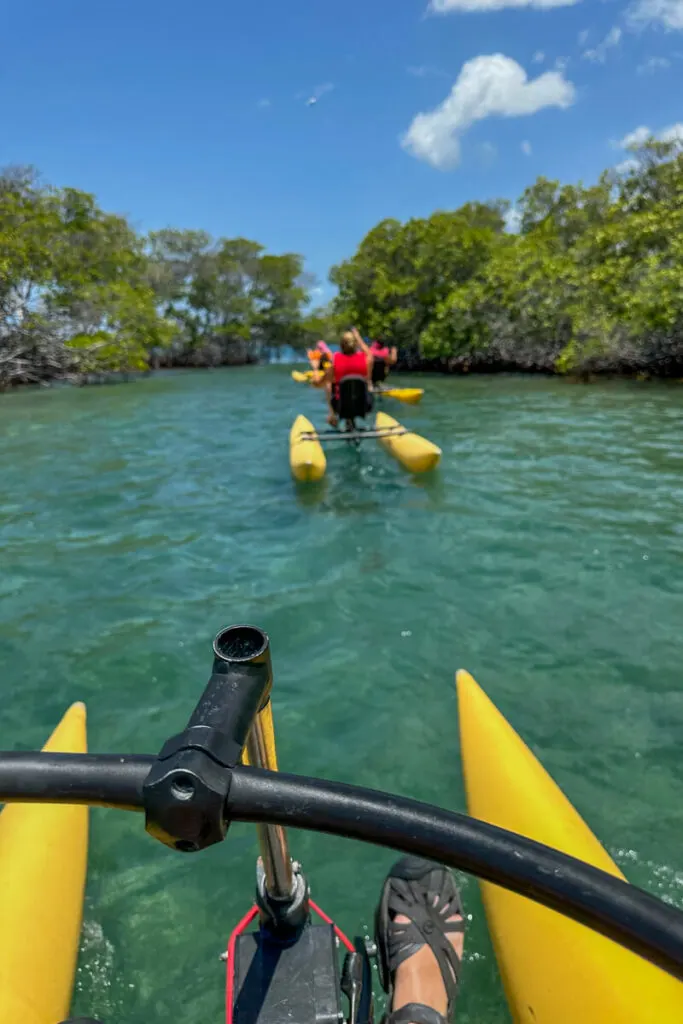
(186, 791)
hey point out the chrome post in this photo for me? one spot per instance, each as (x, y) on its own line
(277, 863)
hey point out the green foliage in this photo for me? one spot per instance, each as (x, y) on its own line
(320, 323)
(591, 282)
(229, 299)
(81, 293)
(402, 272)
(74, 298)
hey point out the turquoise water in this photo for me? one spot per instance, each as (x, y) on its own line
(546, 556)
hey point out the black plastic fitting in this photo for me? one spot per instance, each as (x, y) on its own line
(185, 793)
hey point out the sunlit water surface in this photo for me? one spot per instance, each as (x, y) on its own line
(545, 555)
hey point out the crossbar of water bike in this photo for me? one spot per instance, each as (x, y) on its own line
(621, 912)
(354, 435)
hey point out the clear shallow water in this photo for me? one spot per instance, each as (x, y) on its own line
(546, 556)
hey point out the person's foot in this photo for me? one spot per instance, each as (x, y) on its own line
(419, 929)
(419, 979)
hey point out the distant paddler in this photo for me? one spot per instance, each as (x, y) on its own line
(354, 360)
(320, 359)
(383, 359)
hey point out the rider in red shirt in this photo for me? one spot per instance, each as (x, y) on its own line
(383, 358)
(354, 360)
(353, 365)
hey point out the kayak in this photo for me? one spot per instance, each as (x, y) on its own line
(554, 970)
(409, 396)
(43, 861)
(306, 458)
(415, 453)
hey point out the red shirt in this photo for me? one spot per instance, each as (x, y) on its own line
(379, 350)
(350, 366)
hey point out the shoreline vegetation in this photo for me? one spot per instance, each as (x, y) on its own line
(589, 282)
(84, 297)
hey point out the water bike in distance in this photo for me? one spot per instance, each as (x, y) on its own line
(302, 376)
(408, 396)
(319, 359)
(380, 372)
(307, 457)
(574, 941)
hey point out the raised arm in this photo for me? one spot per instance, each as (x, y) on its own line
(362, 345)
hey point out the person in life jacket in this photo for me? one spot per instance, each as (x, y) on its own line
(354, 360)
(320, 359)
(383, 358)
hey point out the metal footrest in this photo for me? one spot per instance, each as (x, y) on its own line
(353, 435)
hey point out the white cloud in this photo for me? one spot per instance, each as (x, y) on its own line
(653, 64)
(668, 13)
(635, 138)
(639, 136)
(561, 63)
(448, 6)
(263, 104)
(583, 37)
(513, 220)
(626, 166)
(672, 134)
(487, 86)
(538, 57)
(526, 148)
(599, 53)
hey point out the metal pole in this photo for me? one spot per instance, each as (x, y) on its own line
(277, 864)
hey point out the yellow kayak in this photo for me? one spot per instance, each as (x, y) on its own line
(415, 453)
(43, 860)
(306, 458)
(409, 396)
(554, 970)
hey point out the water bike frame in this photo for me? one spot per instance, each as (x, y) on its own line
(198, 785)
(353, 436)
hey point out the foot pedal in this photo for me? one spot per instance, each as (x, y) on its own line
(356, 984)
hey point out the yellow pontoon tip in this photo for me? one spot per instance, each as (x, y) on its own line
(553, 969)
(70, 735)
(43, 859)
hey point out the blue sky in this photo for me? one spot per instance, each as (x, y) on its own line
(195, 114)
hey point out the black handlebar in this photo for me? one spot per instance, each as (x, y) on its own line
(620, 911)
